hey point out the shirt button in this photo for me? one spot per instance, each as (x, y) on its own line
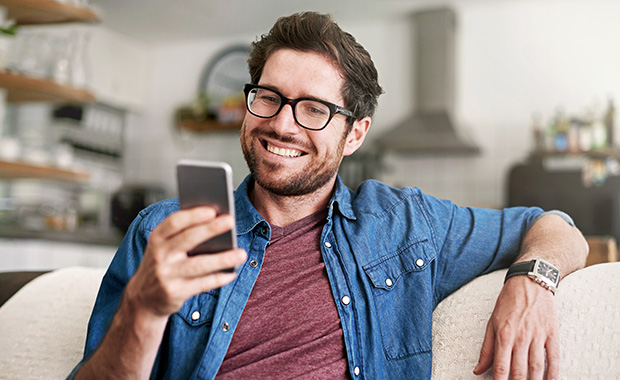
(346, 300)
(195, 315)
(356, 371)
(253, 263)
(225, 326)
(419, 262)
(388, 282)
(328, 244)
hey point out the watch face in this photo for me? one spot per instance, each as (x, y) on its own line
(548, 271)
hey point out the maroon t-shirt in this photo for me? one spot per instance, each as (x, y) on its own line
(290, 327)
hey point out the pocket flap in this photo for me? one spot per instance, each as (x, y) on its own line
(199, 309)
(385, 272)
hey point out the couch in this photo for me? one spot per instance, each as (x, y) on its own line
(43, 326)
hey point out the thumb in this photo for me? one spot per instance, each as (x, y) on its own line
(486, 352)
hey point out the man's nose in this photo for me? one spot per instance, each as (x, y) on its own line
(284, 122)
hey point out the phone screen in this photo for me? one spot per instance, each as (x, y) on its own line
(207, 183)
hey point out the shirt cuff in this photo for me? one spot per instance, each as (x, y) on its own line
(559, 213)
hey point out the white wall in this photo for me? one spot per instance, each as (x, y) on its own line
(154, 149)
(515, 57)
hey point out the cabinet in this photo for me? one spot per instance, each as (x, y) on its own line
(22, 88)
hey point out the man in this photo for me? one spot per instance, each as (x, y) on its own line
(333, 283)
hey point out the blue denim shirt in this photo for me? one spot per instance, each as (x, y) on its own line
(396, 253)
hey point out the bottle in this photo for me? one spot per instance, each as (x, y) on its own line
(537, 131)
(599, 134)
(573, 136)
(561, 128)
(609, 123)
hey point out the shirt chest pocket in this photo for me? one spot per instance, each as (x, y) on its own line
(403, 298)
(198, 310)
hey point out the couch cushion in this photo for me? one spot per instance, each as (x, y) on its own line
(589, 315)
(43, 326)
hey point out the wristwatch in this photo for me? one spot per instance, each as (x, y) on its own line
(538, 270)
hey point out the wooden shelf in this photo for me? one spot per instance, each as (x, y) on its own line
(13, 170)
(22, 88)
(207, 126)
(595, 154)
(34, 12)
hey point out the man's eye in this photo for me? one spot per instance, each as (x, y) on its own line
(317, 111)
(267, 97)
(314, 110)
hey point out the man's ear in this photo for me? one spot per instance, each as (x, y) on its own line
(356, 136)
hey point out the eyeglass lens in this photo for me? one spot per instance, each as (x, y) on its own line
(308, 113)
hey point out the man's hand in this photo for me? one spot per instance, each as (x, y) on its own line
(167, 276)
(523, 325)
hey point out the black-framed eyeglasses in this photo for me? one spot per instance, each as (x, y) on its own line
(309, 113)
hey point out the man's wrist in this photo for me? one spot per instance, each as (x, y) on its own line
(540, 271)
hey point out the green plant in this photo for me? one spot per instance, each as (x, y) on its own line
(10, 29)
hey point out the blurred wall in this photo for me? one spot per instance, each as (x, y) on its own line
(517, 58)
(514, 58)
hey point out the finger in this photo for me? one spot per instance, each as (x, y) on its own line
(503, 353)
(486, 352)
(212, 281)
(191, 237)
(553, 357)
(520, 356)
(537, 360)
(205, 264)
(181, 220)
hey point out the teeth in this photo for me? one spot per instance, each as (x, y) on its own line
(283, 152)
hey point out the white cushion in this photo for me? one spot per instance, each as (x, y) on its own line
(43, 326)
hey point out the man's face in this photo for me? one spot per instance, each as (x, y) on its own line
(283, 157)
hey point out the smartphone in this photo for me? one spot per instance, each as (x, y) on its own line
(205, 183)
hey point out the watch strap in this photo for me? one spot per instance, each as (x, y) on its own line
(519, 269)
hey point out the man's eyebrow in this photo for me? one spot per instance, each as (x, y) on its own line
(305, 96)
(274, 88)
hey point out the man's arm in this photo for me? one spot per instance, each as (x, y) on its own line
(524, 322)
(166, 278)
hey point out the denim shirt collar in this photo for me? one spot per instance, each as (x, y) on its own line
(248, 218)
(342, 198)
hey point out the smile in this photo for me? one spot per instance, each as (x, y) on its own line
(283, 152)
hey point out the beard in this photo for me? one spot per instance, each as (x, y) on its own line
(304, 181)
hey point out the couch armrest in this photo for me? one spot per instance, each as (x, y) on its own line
(43, 326)
(11, 282)
(589, 314)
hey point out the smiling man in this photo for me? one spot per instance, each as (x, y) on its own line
(333, 283)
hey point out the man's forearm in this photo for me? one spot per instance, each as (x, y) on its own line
(523, 327)
(129, 348)
(553, 239)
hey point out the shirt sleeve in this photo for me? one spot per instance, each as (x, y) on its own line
(470, 242)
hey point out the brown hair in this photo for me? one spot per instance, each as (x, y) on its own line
(315, 32)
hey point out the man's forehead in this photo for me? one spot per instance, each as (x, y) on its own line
(303, 74)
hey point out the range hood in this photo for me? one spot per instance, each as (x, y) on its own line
(430, 129)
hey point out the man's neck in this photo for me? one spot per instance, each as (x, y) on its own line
(281, 211)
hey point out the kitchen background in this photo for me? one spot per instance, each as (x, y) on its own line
(529, 76)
